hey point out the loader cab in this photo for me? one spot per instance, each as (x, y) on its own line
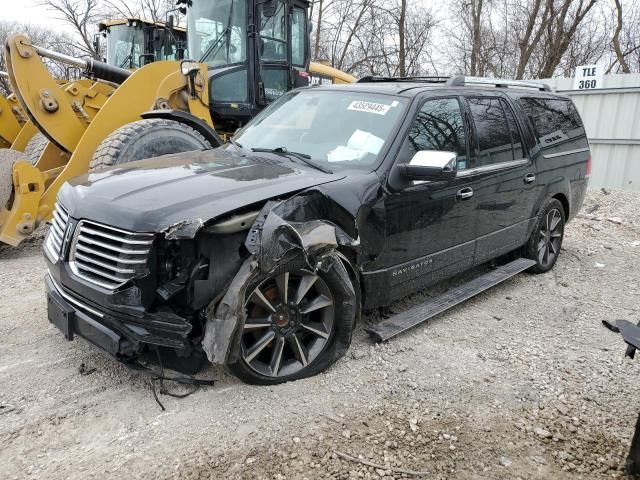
(255, 50)
(132, 43)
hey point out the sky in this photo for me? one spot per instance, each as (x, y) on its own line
(29, 11)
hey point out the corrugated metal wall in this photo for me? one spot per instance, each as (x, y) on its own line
(612, 119)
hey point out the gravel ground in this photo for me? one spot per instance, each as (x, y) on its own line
(522, 381)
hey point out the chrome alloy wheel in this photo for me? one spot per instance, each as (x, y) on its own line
(550, 237)
(289, 321)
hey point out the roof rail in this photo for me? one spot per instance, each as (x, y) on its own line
(462, 80)
(374, 79)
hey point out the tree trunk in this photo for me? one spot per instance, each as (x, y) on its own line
(316, 49)
(476, 37)
(616, 40)
(401, 30)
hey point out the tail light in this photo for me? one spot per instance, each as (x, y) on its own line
(587, 171)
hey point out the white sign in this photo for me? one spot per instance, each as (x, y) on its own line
(369, 107)
(588, 77)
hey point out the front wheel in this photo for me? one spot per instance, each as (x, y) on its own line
(147, 138)
(297, 324)
(546, 239)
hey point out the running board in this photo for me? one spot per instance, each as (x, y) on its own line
(400, 322)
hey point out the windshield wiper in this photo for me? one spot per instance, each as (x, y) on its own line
(234, 143)
(282, 151)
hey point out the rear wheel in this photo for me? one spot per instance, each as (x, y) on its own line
(7, 158)
(146, 139)
(298, 323)
(546, 239)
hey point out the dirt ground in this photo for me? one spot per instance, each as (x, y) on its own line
(522, 381)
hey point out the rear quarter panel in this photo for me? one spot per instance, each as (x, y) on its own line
(560, 154)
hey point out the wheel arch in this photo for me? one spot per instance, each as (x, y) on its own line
(562, 198)
(189, 119)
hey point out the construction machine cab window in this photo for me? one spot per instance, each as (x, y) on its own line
(217, 32)
(125, 45)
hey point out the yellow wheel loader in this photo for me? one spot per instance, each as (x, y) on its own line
(250, 53)
(129, 43)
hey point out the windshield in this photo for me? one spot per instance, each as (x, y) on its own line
(217, 31)
(336, 129)
(125, 44)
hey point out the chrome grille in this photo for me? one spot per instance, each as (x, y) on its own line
(57, 230)
(107, 256)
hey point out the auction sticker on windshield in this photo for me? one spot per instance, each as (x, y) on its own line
(369, 107)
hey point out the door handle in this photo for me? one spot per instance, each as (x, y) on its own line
(465, 193)
(529, 178)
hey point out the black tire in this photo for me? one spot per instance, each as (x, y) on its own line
(338, 339)
(7, 158)
(545, 241)
(146, 139)
(35, 147)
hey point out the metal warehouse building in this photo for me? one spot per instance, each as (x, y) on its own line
(611, 115)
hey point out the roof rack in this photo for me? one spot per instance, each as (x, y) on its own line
(374, 79)
(462, 80)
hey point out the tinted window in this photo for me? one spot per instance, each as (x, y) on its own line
(439, 126)
(516, 139)
(555, 121)
(492, 130)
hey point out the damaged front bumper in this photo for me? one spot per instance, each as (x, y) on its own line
(124, 337)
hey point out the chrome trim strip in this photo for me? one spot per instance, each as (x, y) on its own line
(108, 286)
(97, 233)
(493, 167)
(125, 232)
(566, 152)
(72, 300)
(106, 246)
(86, 268)
(102, 264)
(127, 261)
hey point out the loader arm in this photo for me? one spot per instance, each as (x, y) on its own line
(159, 85)
(61, 112)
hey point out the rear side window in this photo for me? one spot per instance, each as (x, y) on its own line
(493, 131)
(554, 120)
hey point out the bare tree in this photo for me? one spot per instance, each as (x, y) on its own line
(42, 36)
(83, 16)
(566, 17)
(625, 41)
(152, 10)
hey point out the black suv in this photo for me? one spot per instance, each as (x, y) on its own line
(262, 254)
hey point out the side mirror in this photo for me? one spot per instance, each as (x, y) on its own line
(430, 165)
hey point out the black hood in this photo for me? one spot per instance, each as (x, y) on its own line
(154, 194)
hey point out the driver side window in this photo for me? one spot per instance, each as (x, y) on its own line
(439, 126)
